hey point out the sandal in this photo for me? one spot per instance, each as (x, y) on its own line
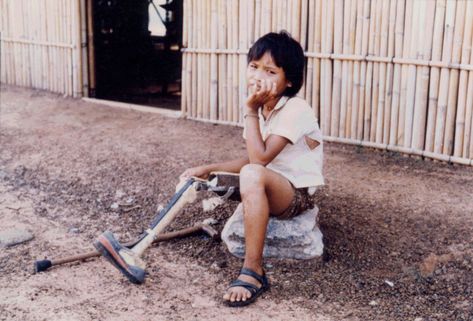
(254, 289)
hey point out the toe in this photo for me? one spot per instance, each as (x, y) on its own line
(233, 296)
(226, 296)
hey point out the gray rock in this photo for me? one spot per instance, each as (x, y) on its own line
(298, 238)
(13, 236)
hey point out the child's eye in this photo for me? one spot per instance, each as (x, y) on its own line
(252, 66)
(271, 72)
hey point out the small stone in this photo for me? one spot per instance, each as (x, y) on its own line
(119, 194)
(419, 319)
(391, 284)
(74, 230)
(210, 221)
(114, 206)
(130, 200)
(268, 266)
(13, 236)
(373, 303)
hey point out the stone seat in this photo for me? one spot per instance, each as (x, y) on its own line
(297, 238)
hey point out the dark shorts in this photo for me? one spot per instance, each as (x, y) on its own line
(301, 202)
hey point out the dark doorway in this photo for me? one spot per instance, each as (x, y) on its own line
(137, 51)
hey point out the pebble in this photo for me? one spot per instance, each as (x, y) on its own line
(373, 303)
(74, 230)
(391, 284)
(114, 206)
(13, 236)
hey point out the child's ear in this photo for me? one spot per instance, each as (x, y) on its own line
(289, 84)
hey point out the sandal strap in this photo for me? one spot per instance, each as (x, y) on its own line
(260, 278)
(250, 287)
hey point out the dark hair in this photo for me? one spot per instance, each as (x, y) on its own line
(286, 52)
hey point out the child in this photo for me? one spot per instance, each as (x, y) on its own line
(284, 162)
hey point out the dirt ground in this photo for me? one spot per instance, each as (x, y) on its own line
(397, 230)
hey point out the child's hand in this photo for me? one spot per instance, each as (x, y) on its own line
(260, 92)
(199, 171)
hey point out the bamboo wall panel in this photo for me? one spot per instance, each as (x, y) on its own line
(40, 45)
(389, 74)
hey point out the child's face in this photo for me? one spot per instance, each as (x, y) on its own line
(265, 70)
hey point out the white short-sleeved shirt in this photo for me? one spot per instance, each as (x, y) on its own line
(294, 119)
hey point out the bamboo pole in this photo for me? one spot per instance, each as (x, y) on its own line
(299, 24)
(375, 85)
(185, 72)
(363, 67)
(235, 73)
(438, 36)
(85, 74)
(356, 70)
(316, 88)
(393, 18)
(337, 67)
(401, 149)
(304, 10)
(200, 72)
(444, 77)
(59, 74)
(91, 46)
(346, 5)
(369, 74)
(206, 58)
(195, 43)
(242, 44)
(310, 48)
(230, 57)
(422, 84)
(257, 24)
(222, 30)
(385, 19)
(463, 84)
(214, 62)
(404, 71)
(327, 43)
(468, 140)
(350, 81)
(453, 82)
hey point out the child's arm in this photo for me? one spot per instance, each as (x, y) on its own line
(259, 151)
(233, 166)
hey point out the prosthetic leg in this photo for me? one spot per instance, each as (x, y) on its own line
(128, 260)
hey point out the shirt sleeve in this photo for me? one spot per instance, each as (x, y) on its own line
(296, 119)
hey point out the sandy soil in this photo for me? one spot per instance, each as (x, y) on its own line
(65, 162)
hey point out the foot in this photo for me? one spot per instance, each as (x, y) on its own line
(246, 288)
(121, 257)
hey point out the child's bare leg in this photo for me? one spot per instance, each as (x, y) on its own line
(263, 191)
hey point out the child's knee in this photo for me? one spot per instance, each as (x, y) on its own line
(251, 176)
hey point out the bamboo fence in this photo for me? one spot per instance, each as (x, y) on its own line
(41, 45)
(388, 74)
